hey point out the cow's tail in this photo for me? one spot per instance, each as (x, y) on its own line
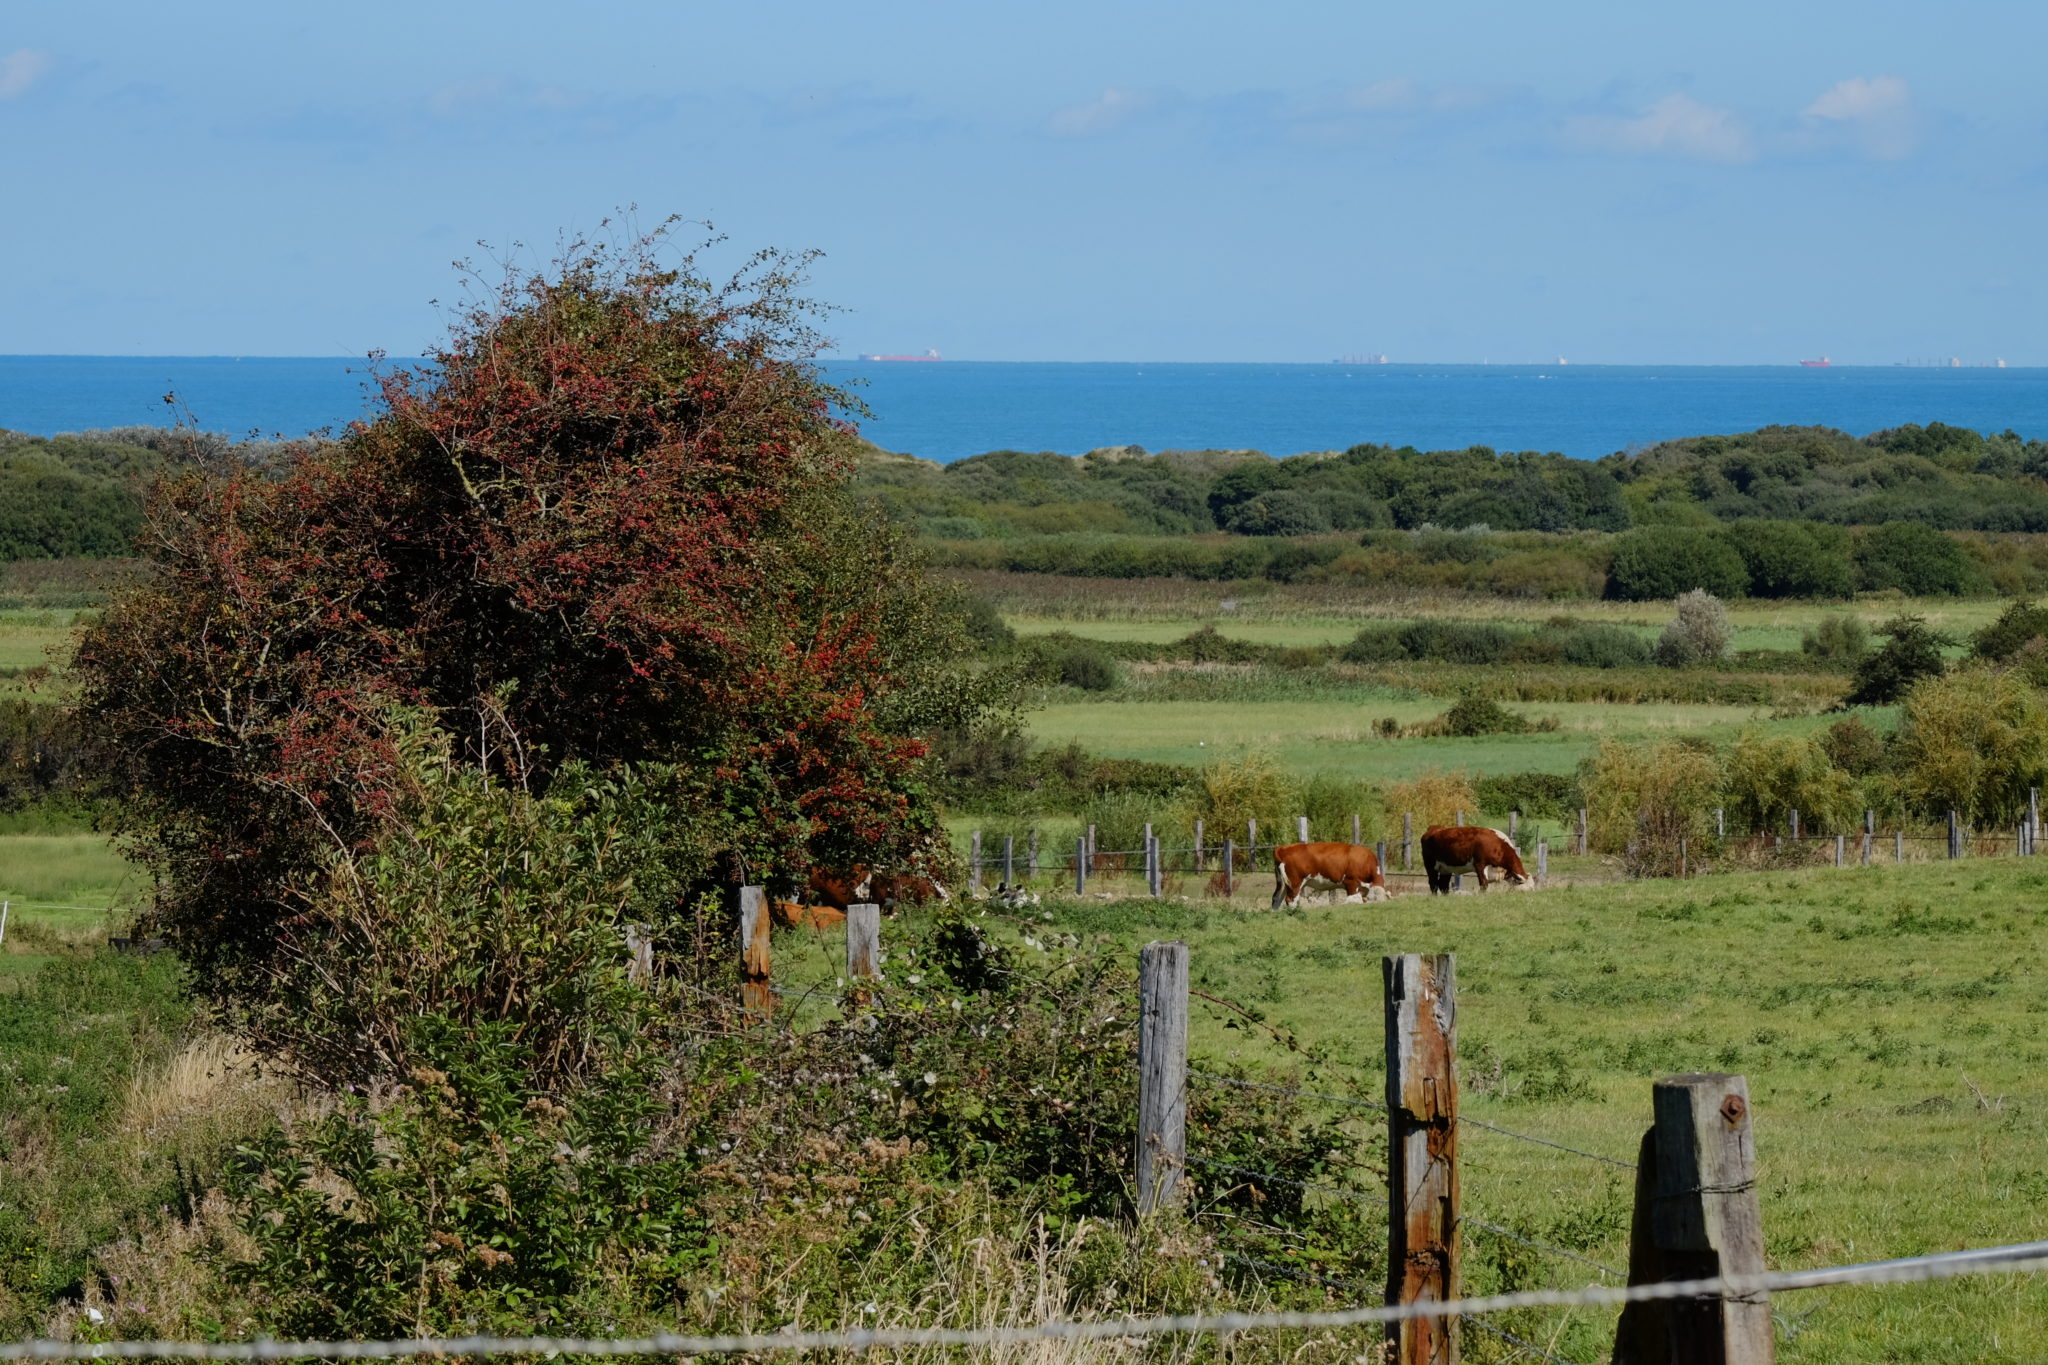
(1279, 880)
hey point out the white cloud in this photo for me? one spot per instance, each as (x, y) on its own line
(1677, 125)
(1875, 112)
(21, 69)
(1100, 114)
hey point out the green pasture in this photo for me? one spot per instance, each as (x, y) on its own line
(56, 886)
(1315, 736)
(1890, 1022)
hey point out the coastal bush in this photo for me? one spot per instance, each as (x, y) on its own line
(1699, 633)
(1973, 741)
(1769, 776)
(1914, 558)
(1837, 640)
(1472, 716)
(1071, 661)
(1665, 563)
(1433, 797)
(1795, 559)
(1912, 651)
(1854, 747)
(1642, 799)
(1598, 646)
(1538, 796)
(2018, 625)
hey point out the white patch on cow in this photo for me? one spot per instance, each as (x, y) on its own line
(1377, 893)
(864, 889)
(1504, 839)
(939, 890)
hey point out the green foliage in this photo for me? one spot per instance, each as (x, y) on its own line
(1649, 565)
(1769, 776)
(1070, 661)
(1538, 796)
(1914, 558)
(1588, 645)
(1471, 716)
(1642, 799)
(1795, 559)
(1854, 747)
(1840, 639)
(1699, 633)
(2018, 625)
(1911, 651)
(1435, 639)
(1973, 741)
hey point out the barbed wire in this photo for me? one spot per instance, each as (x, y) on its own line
(2019, 1257)
(1287, 1090)
(1545, 1142)
(1267, 1176)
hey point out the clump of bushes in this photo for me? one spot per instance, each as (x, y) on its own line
(1069, 661)
(1699, 633)
(1538, 796)
(1912, 651)
(1649, 565)
(1470, 717)
(1836, 640)
(1434, 797)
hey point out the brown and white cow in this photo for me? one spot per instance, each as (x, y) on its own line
(1451, 850)
(1354, 867)
(862, 885)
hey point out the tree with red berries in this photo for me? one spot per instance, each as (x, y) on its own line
(605, 527)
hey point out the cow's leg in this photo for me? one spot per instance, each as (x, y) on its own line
(1479, 871)
(1284, 892)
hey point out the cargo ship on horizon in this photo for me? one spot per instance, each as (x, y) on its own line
(1821, 364)
(927, 358)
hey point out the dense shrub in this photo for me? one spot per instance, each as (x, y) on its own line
(1649, 565)
(1795, 559)
(1642, 799)
(1836, 640)
(1433, 798)
(2016, 626)
(1973, 741)
(1072, 661)
(1700, 633)
(1282, 512)
(1538, 796)
(1911, 651)
(1769, 776)
(1854, 747)
(1471, 716)
(1914, 558)
(1598, 646)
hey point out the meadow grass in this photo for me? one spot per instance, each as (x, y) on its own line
(1889, 1020)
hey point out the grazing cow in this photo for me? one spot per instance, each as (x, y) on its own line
(862, 885)
(1354, 867)
(1449, 850)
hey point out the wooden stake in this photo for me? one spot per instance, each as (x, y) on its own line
(1697, 1217)
(1407, 840)
(1841, 850)
(1081, 865)
(1009, 861)
(974, 863)
(1542, 861)
(1422, 1152)
(1582, 831)
(639, 948)
(1230, 867)
(1354, 828)
(757, 995)
(1898, 846)
(1301, 828)
(1514, 824)
(1795, 826)
(1201, 859)
(1031, 858)
(863, 942)
(1720, 822)
(1162, 1073)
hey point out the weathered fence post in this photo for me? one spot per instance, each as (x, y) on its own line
(757, 995)
(1162, 1073)
(1031, 857)
(1720, 822)
(1354, 828)
(1514, 824)
(863, 943)
(1251, 839)
(1869, 820)
(974, 863)
(1149, 855)
(1422, 1152)
(1301, 828)
(1229, 867)
(1681, 858)
(1841, 849)
(1867, 837)
(1380, 852)
(1091, 848)
(1542, 861)
(1459, 819)
(1582, 831)
(1157, 885)
(1955, 834)
(1696, 1217)
(1898, 845)
(1407, 840)
(639, 949)
(1201, 854)
(1009, 861)
(2033, 818)
(1081, 865)
(1795, 826)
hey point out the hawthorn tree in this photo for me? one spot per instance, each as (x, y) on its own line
(605, 525)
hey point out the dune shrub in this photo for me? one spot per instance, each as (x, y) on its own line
(1699, 634)
(1641, 799)
(1770, 776)
(1911, 652)
(1600, 646)
(1434, 798)
(1854, 747)
(1914, 558)
(1663, 563)
(1973, 741)
(1794, 558)
(2016, 626)
(1538, 796)
(1841, 640)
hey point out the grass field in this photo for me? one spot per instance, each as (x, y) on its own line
(1890, 1022)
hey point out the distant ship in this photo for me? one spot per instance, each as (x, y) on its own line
(1370, 358)
(1820, 364)
(926, 358)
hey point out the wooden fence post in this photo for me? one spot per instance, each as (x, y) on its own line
(1380, 852)
(639, 948)
(1091, 848)
(1898, 845)
(1251, 839)
(1867, 837)
(863, 943)
(1795, 826)
(2033, 818)
(1301, 828)
(1681, 858)
(1200, 852)
(1582, 831)
(1081, 865)
(1031, 858)
(1009, 861)
(1696, 1217)
(1720, 822)
(1542, 861)
(1422, 1152)
(1230, 867)
(1869, 820)
(1514, 824)
(1955, 834)
(1354, 828)
(1149, 855)
(1841, 849)
(1407, 840)
(1158, 882)
(1459, 820)
(974, 864)
(1162, 1073)
(757, 995)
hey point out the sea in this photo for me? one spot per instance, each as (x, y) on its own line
(950, 409)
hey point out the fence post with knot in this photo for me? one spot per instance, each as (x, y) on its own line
(757, 994)
(1162, 1073)
(1422, 1152)
(1696, 1217)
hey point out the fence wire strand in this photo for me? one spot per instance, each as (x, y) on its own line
(2023, 1256)
(1511, 1339)
(1545, 1142)
(1499, 1231)
(1287, 1090)
(1271, 1179)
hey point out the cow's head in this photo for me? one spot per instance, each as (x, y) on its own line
(1521, 881)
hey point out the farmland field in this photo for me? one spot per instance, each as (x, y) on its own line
(1890, 1022)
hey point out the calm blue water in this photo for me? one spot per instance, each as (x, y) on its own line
(957, 408)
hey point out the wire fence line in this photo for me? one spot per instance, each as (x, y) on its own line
(1544, 1142)
(2016, 1258)
(1497, 1230)
(1511, 1339)
(1271, 1179)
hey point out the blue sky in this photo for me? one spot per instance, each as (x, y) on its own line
(1612, 182)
